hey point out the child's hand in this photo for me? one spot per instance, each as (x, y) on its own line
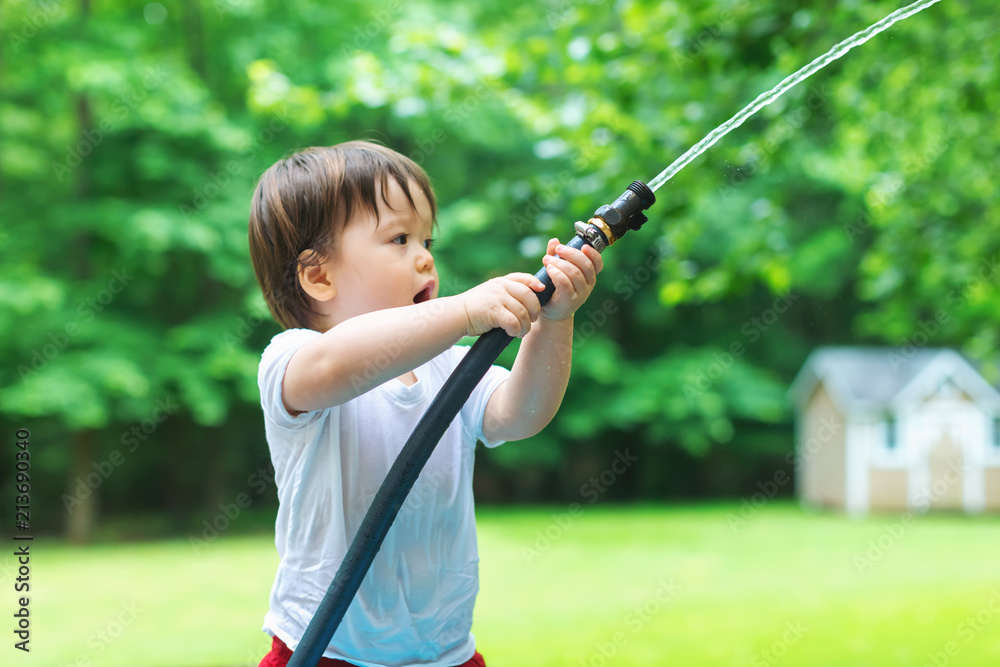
(507, 303)
(574, 274)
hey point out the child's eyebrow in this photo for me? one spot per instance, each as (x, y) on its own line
(410, 221)
(414, 217)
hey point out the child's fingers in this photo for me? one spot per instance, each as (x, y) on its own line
(520, 288)
(567, 252)
(511, 324)
(517, 319)
(580, 261)
(595, 258)
(563, 283)
(527, 279)
(579, 276)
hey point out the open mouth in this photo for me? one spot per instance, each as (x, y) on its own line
(425, 293)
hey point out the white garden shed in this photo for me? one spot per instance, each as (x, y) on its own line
(890, 429)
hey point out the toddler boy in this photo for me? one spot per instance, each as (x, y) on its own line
(341, 243)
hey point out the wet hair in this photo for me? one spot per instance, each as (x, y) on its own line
(304, 202)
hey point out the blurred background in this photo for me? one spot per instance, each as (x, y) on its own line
(854, 211)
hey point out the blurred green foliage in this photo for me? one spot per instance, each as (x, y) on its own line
(857, 209)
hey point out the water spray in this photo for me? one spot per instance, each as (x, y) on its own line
(787, 83)
(608, 224)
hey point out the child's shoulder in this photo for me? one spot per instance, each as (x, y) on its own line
(286, 342)
(290, 337)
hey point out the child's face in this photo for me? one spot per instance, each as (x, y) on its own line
(388, 265)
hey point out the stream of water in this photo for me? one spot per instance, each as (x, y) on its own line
(766, 98)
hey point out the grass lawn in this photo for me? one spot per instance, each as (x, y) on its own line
(628, 586)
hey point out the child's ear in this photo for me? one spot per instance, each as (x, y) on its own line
(316, 279)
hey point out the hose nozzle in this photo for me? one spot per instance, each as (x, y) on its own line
(613, 221)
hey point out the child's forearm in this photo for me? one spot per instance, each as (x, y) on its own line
(365, 351)
(530, 398)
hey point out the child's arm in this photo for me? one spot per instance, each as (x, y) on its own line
(361, 353)
(527, 401)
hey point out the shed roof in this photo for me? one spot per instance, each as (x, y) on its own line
(874, 377)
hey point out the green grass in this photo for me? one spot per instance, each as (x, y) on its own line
(726, 597)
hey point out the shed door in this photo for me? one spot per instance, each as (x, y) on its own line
(948, 433)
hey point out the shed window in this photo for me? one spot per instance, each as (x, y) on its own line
(891, 432)
(948, 390)
(996, 432)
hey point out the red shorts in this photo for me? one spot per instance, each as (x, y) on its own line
(281, 654)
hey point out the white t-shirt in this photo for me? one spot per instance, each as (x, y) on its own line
(415, 605)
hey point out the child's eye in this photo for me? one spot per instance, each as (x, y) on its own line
(429, 243)
(401, 239)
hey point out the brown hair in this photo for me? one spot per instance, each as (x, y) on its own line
(303, 202)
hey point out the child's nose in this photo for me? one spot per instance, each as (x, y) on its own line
(425, 260)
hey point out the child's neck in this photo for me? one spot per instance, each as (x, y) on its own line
(409, 379)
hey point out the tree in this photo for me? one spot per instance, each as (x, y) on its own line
(858, 209)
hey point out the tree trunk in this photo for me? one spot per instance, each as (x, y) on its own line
(80, 523)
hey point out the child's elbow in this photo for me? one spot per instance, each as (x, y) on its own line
(513, 429)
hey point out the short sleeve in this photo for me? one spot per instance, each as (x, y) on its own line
(271, 372)
(474, 411)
